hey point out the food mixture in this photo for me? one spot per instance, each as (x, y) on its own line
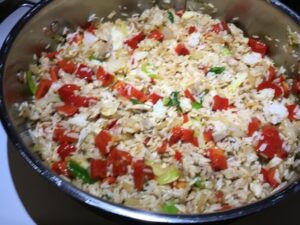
(174, 113)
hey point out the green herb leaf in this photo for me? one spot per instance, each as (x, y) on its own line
(79, 172)
(93, 57)
(197, 105)
(58, 38)
(199, 183)
(169, 207)
(135, 102)
(217, 70)
(175, 100)
(171, 17)
(31, 82)
(107, 197)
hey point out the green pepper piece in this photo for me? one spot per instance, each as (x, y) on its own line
(197, 105)
(170, 174)
(217, 70)
(79, 172)
(169, 207)
(168, 102)
(135, 102)
(171, 17)
(226, 52)
(31, 82)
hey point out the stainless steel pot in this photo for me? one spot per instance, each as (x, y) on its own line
(36, 29)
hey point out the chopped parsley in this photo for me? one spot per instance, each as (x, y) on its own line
(171, 17)
(217, 70)
(173, 100)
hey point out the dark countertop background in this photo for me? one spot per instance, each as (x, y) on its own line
(48, 205)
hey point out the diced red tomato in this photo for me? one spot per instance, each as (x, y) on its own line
(129, 92)
(189, 95)
(176, 136)
(182, 50)
(52, 55)
(60, 135)
(272, 73)
(178, 155)
(80, 101)
(84, 72)
(219, 196)
(54, 73)
(182, 134)
(135, 40)
(65, 149)
(205, 69)
(111, 125)
(218, 159)
(220, 103)
(269, 176)
(187, 135)
(141, 173)
(192, 29)
(61, 168)
(208, 135)
(268, 84)
(110, 180)
(271, 144)
(67, 110)
(105, 77)
(296, 86)
(66, 65)
(98, 169)
(156, 35)
(154, 98)
(102, 141)
(258, 46)
(253, 126)
(185, 117)
(146, 141)
(286, 89)
(91, 28)
(219, 27)
(77, 38)
(280, 79)
(43, 88)
(67, 90)
(162, 149)
(292, 111)
(225, 207)
(180, 12)
(119, 161)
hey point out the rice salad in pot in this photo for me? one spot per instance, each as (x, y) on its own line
(164, 111)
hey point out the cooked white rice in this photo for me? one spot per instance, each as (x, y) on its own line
(240, 183)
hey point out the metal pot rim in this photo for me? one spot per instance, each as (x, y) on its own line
(109, 207)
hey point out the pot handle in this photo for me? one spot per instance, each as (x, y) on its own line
(7, 25)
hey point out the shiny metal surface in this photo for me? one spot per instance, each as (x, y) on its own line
(256, 17)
